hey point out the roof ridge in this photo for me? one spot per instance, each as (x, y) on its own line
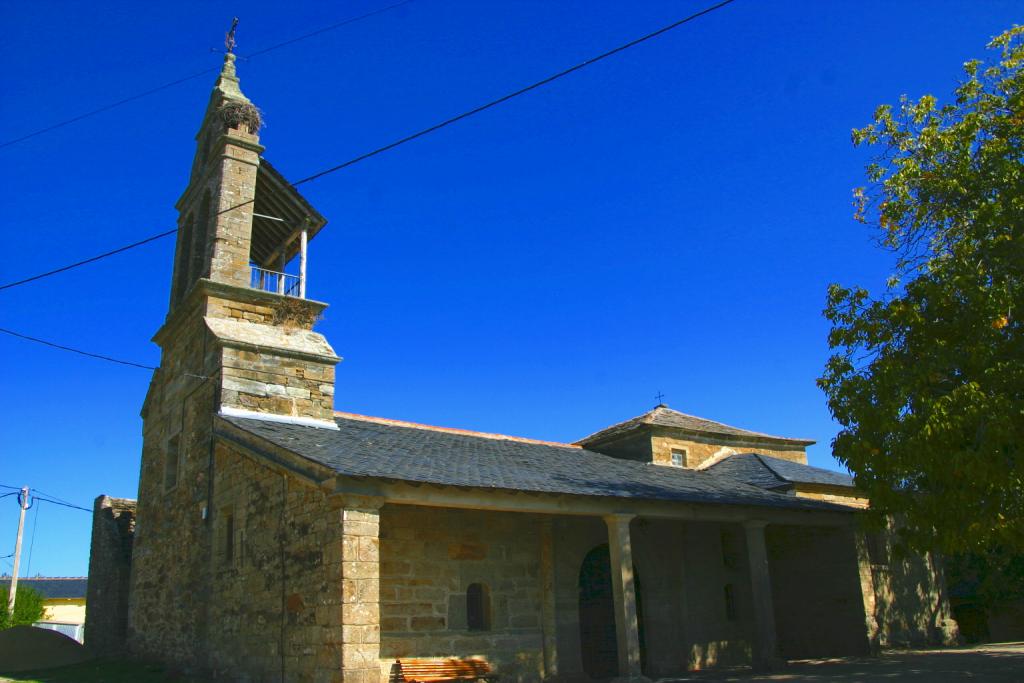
(761, 459)
(701, 424)
(452, 430)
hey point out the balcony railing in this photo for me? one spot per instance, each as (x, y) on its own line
(279, 283)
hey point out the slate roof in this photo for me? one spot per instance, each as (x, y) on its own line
(774, 473)
(50, 587)
(663, 416)
(382, 449)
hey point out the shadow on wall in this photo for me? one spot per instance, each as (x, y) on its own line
(911, 606)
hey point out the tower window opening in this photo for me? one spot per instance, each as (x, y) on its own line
(171, 458)
(229, 537)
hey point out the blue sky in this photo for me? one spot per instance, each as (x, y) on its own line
(667, 220)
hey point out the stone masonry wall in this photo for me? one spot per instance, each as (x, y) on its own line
(275, 599)
(699, 449)
(819, 608)
(110, 561)
(911, 603)
(428, 559)
(830, 494)
(169, 576)
(270, 383)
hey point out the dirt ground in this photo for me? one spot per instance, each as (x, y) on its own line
(1002, 662)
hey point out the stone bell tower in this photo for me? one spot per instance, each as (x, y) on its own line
(238, 339)
(240, 226)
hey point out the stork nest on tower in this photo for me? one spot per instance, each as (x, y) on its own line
(239, 114)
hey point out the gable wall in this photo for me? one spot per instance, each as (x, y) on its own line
(701, 448)
(275, 604)
(271, 611)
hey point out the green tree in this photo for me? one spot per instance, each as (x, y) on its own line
(28, 608)
(927, 378)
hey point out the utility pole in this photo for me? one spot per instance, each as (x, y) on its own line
(23, 504)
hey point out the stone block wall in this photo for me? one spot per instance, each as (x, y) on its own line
(430, 556)
(830, 494)
(911, 604)
(714, 557)
(656, 446)
(110, 561)
(275, 601)
(272, 383)
(816, 587)
(699, 449)
(169, 576)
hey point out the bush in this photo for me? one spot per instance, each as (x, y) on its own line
(28, 608)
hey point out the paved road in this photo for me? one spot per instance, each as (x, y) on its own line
(1003, 662)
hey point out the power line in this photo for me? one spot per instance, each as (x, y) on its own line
(89, 260)
(402, 141)
(522, 91)
(32, 543)
(45, 498)
(50, 495)
(74, 350)
(185, 79)
(67, 505)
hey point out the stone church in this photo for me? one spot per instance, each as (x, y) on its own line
(275, 539)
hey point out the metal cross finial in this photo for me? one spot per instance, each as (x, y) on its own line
(660, 396)
(229, 39)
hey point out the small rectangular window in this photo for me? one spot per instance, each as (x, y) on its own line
(730, 603)
(678, 457)
(171, 457)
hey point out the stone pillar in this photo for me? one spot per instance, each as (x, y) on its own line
(547, 592)
(360, 579)
(626, 629)
(765, 647)
(867, 590)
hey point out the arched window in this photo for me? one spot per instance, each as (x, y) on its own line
(478, 607)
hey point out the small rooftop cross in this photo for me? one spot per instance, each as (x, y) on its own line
(229, 38)
(660, 397)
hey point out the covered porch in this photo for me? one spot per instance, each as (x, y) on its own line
(625, 595)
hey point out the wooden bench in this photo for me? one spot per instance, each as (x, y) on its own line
(431, 670)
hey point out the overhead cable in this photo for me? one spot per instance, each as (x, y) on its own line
(185, 79)
(401, 141)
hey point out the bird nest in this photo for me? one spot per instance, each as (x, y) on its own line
(241, 114)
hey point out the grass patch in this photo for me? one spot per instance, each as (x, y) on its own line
(100, 671)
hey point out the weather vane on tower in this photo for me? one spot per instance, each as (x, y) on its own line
(229, 38)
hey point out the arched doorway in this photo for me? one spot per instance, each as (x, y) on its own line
(598, 644)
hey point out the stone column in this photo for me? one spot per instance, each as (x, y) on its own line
(765, 647)
(626, 629)
(867, 590)
(360, 584)
(547, 592)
